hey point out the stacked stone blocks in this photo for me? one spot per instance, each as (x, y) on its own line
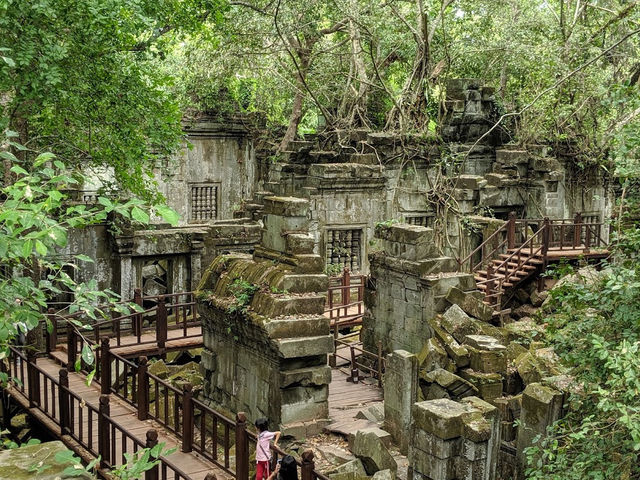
(268, 357)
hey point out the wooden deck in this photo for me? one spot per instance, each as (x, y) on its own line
(176, 340)
(346, 399)
(557, 253)
(85, 422)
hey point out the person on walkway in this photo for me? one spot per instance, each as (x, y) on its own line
(287, 469)
(263, 448)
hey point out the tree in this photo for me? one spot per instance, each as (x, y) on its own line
(35, 216)
(80, 78)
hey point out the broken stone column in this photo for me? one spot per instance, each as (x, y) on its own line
(265, 337)
(454, 440)
(409, 283)
(541, 406)
(400, 393)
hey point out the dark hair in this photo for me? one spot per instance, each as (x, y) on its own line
(288, 468)
(262, 424)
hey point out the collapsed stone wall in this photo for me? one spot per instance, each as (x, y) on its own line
(355, 179)
(407, 288)
(265, 338)
(446, 351)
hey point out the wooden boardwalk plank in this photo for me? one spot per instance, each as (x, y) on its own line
(122, 414)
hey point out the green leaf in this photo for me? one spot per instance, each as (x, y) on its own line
(41, 248)
(140, 215)
(43, 158)
(78, 365)
(87, 354)
(84, 258)
(168, 214)
(9, 61)
(8, 156)
(27, 247)
(16, 169)
(90, 376)
(104, 201)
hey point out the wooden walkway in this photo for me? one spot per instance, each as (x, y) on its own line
(346, 399)
(85, 429)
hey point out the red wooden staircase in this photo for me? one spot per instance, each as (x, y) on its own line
(521, 249)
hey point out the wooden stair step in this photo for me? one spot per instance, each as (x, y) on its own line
(483, 286)
(524, 266)
(535, 260)
(496, 274)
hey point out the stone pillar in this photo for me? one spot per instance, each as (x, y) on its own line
(541, 407)
(451, 440)
(195, 257)
(411, 282)
(400, 392)
(124, 249)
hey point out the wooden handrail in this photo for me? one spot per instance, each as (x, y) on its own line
(503, 228)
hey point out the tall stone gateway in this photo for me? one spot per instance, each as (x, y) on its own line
(266, 339)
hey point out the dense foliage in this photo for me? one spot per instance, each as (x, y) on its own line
(80, 78)
(565, 71)
(35, 217)
(595, 329)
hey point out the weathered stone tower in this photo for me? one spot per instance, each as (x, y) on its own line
(266, 340)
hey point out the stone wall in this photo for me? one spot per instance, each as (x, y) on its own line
(408, 285)
(454, 440)
(268, 355)
(216, 155)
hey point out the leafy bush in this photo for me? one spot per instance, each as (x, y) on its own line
(595, 328)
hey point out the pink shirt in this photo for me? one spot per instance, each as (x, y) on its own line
(263, 452)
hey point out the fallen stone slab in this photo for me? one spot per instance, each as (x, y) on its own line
(335, 455)
(374, 413)
(375, 456)
(470, 304)
(383, 435)
(455, 386)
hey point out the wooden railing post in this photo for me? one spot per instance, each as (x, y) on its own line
(105, 367)
(63, 401)
(346, 290)
(489, 290)
(52, 336)
(161, 322)
(152, 441)
(142, 396)
(104, 443)
(242, 447)
(577, 229)
(187, 417)
(71, 348)
(308, 465)
(137, 319)
(587, 238)
(511, 230)
(333, 359)
(546, 236)
(355, 373)
(33, 378)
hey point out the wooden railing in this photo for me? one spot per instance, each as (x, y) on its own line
(500, 275)
(362, 363)
(177, 311)
(345, 300)
(76, 418)
(563, 234)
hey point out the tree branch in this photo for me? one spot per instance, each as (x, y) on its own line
(551, 88)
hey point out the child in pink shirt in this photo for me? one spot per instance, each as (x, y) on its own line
(263, 448)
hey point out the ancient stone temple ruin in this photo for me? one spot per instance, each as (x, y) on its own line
(266, 340)
(341, 248)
